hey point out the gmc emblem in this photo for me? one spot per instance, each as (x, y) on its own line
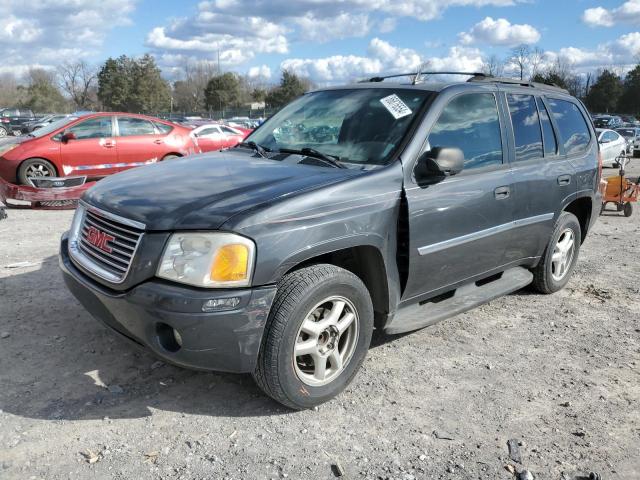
(99, 239)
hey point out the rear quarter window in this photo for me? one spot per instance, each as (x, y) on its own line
(163, 127)
(572, 125)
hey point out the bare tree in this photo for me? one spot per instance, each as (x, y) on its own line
(11, 92)
(78, 81)
(520, 57)
(189, 91)
(536, 61)
(493, 66)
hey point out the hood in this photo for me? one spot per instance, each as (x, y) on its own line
(204, 191)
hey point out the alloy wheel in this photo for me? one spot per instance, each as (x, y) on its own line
(326, 341)
(563, 254)
(38, 170)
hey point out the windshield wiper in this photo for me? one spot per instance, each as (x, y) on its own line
(332, 160)
(259, 149)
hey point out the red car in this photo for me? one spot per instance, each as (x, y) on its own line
(94, 145)
(214, 136)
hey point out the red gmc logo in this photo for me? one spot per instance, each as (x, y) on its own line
(99, 239)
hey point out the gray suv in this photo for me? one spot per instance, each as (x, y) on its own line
(279, 257)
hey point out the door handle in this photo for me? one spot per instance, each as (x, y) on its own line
(109, 144)
(158, 141)
(564, 179)
(502, 192)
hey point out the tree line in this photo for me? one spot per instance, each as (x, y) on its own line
(136, 85)
(605, 90)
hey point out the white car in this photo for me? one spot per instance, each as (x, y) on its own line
(612, 146)
(212, 137)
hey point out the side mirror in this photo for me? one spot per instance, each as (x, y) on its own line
(66, 136)
(439, 162)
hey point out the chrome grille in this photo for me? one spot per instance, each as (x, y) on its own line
(104, 244)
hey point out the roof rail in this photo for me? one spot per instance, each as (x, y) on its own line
(516, 81)
(419, 74)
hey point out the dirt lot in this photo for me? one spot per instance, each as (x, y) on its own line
(558, 373)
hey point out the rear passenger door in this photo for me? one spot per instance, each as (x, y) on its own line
(138, 142)
(544, 179)
(459, 226)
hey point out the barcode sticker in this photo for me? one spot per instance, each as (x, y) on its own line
(396, 106)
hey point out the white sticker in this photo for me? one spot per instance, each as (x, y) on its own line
(396, 106)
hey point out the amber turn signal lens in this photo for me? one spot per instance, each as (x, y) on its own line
(230, 264)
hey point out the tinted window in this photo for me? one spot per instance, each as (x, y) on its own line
(228, 130)
(609, 136)
(208, 131)
(99, 127)
(163, 127)
(526, 126)
(572, 125)
(627, 132)
(470, 122)
(548, 135)
(130, 126)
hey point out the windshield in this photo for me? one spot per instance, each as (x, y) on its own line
(361, 126)
(52, 127)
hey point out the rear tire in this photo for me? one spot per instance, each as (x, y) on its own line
(628, 209)
(3, 132)
(559, 259)
(35, 167)
(307, 316)
(171, 156)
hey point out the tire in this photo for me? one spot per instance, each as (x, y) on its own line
(628, 209)
(171, 156)
(553, 272)
(3, 132)
(31, 167)
(308, 296)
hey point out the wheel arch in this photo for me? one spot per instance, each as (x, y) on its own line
(582, 208)
(52, 162)
(170, 154)
(364, 261)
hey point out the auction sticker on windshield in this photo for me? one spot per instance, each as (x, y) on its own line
(395, 106)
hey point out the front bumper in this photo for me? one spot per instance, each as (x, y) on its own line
(147, 314)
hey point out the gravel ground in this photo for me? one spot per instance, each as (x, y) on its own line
(559, 374)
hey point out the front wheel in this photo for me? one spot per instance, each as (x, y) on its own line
(3, 132)
(559, 259)
(628, 209)
(316, 338)
(35, 167)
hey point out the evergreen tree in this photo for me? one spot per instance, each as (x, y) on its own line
(291, 87)
(605, 93)
(223, 91)
(629, 101)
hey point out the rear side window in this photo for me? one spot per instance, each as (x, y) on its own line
(470, 122)
(163, 127)
(131, 126)
(526, 127)
(228, 130)
(572, 125)
(548, 135)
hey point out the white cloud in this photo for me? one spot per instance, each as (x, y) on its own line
(499, 32)
(327, 29)
(263, 71)
(628, 12)
(382, 57)
(43, 33)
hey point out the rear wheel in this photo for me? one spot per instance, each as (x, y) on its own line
(171, 156)
(35, 167)
(560, 256)
(316, 338)
(628, 209)
(3, 132)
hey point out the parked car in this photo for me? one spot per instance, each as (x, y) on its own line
(612, 146)
(94, 145)
(29, 127)
(632, 136)
(629, 120)
(12, 119)
(211, 137)
(607, 121)
(278, 257)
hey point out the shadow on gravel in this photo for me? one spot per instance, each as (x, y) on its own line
(58, 363)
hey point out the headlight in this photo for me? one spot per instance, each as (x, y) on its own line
(213, 259)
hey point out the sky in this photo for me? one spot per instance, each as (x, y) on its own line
(330, 41)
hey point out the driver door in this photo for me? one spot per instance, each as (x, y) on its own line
(93, 150)
(460, 225)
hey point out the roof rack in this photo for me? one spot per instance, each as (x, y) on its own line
(515, 81)
(475, 77)
(419, 74)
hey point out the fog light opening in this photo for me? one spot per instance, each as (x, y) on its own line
(168, 337)
(218, 304)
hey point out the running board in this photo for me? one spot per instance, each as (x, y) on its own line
(457, 301)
